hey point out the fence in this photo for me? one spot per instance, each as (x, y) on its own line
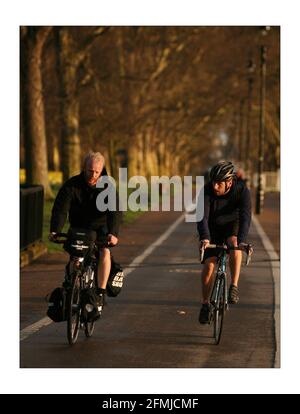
(270, 181)
(31, 214)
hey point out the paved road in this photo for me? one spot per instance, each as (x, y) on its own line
(154, 321)
(270, 218)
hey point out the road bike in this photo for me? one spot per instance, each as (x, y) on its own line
(219, 294)
(80, 276)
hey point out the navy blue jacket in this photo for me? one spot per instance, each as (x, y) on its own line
(221, 210)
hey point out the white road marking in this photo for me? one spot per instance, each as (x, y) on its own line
(35, 327)
(275, 265)
(31, 329)
(184, 270)
(139, 259)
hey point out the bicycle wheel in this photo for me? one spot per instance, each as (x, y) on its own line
(89, 328)
(73, 310)
(219, 311)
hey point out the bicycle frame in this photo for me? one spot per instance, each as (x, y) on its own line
(219, 297)
(219, 293)
(80, 273)
(76, 280)
(220, 274)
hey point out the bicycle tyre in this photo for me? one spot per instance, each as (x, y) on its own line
(73, 310)
(219, 312)
(89, 328)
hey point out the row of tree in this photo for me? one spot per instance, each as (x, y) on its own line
(162, 100)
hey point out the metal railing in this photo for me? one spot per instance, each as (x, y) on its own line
(270, 181)
(31, 214)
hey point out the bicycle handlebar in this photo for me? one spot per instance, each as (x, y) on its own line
(100, 243)
(225, 247)
(246, 248)
(57, 241)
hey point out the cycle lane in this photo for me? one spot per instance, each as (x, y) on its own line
(44, 274)
(154, 321)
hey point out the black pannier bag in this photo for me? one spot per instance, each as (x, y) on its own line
(57, 305)
(91, 310)
(80, 241)
(115, 280)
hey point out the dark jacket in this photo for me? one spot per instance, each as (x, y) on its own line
(221, 210)
(78, 200)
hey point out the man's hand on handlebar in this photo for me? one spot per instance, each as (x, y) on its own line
(203, 244)
(58, 238)
(112, 240)
(246, 247)
(52, 236)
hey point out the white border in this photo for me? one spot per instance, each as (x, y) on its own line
(152, 12)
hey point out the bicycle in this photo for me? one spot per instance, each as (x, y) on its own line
(219, 294)
(79, 276)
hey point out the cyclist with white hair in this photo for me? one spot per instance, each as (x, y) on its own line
(77, 199)
(227, 217)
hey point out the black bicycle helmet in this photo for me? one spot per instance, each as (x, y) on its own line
(222, 171)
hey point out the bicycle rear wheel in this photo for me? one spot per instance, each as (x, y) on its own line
(73, 310)
(219, 312)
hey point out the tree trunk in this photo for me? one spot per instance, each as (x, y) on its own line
(106, 155)
(56, 154)
(150, 159)
(71, 151)
(33, 109)
(111, 158)
(132, 159)
(69, 105)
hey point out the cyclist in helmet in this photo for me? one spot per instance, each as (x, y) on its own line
(227, 217)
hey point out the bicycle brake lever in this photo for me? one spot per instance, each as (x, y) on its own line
(249, 254)
(201, 254)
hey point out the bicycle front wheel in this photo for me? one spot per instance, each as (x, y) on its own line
(89, 328)
(219, 312)
(73, 310)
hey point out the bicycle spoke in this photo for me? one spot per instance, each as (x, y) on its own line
(73, 310)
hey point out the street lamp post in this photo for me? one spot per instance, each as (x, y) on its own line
(260, 166)
(241, 130)
(251, 68)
